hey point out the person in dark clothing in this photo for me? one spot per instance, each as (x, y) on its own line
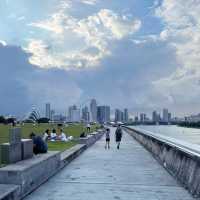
(107, 139)
(39, 146)
(118, 136)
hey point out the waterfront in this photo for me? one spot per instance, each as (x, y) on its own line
(190, 135)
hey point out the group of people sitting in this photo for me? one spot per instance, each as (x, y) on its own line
(56, 135)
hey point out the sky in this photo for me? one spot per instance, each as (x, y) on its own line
(142, 55)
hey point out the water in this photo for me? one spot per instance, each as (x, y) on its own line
(190, 135)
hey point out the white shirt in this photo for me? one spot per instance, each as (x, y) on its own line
(62, 137)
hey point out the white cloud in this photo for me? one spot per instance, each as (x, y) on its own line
(89, 2)
(3, 43)
(93, 36)
(182, 31)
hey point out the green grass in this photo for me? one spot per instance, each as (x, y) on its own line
(61, 146)
(71, 130)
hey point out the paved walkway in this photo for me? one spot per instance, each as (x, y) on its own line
(125, 174)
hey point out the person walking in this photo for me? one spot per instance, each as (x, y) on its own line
(107, 139)
(118, 136)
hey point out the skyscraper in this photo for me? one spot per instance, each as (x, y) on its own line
(142, 117)
(119, 116)
(103, 114)
(93, 110)
(155, 117)
(48, 111)
(85, 114)
(165, 115)
(74, 114)
(126, 116)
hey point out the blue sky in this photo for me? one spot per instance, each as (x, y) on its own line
(143, 55)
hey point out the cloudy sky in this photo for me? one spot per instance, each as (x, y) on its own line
(143, 55)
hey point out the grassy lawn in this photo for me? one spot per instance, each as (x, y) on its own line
(71, 130)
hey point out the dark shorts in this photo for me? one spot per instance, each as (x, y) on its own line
(118, 139)
(107, 139)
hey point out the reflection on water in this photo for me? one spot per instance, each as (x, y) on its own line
(191, 135)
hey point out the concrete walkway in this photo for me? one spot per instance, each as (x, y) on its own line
(125, 174)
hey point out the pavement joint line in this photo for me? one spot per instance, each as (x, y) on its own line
(118, 184)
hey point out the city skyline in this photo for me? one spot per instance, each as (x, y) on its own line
(67, 51)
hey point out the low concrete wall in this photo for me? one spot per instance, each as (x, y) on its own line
(9, 192)
(91, 138)
(181, 159)
(25, 176)
(31, 173)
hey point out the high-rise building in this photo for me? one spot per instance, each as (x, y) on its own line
(52, 114)
(165, 115)
(48, 111)
(142, 117)
(74, 114)
(119, 116)
(126, 115)
(155, 117)
(103, 114)
(93, 110)
(85, 114)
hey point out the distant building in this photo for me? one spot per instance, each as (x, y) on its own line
(193, 118)
(103, 114)
(59, 118)
(165, 115)
(155, 116)
(142, 117)
(85, 114)
(136, 119)
(74, 114)
(34, 115)
(48, 111)
(93, 110)
(119, 116)
(52, 115)
(126, 115)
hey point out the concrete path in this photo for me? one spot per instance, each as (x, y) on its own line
(125, 174)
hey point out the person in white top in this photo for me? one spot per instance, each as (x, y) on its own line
(46, 135)
(53, 135)
(61, 136)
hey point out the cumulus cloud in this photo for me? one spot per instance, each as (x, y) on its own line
(181, 31)
(3, 43)
(90, 2)
(90, 38)
(27, 85)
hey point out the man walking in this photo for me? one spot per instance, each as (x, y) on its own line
(118, 135)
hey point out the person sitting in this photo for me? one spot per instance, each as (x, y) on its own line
(61, 136)
(39, 146)
(82, 135)
(88, 127)
(46, 135)
(53, 135)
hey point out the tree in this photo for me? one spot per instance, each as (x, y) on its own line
(2, 120)
(43, 120)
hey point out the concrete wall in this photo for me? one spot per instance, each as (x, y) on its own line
(181, 160)
(23, 177)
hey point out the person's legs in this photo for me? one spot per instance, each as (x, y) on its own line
(109, 144)
(118, 144)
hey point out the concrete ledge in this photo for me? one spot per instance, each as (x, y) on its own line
(181, 159)
(31, 173)
(69, 155)
(9, 192)
(91, 138)
(25, 176)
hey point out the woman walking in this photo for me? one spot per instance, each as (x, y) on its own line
(118, 136)
(107, 138)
